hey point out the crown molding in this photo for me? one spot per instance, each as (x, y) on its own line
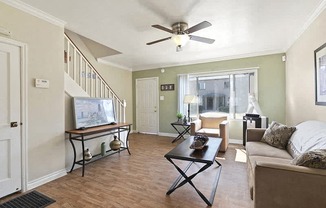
(102, 61)
(204, 61)
(310, 20)
(35, 12)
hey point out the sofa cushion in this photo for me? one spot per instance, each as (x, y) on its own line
(278, 135)
(309, 135)
(263, 149)
(312, 159)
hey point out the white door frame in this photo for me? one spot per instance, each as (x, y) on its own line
(158, 102)
(23, 107)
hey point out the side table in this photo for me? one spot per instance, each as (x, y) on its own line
(185, 129)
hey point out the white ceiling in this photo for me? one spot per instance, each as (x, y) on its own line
(241, 28)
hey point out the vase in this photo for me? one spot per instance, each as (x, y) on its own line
(184, 119)
(87, 155)
(115, 144)
(103, 148)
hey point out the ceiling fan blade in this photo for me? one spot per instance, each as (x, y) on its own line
(163, 28)
(201, 39)
(197, 27)
(157, 41)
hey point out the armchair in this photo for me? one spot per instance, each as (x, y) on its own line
(214, 125)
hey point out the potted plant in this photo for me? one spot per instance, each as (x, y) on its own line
(179, 116)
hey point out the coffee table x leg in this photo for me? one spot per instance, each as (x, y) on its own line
(187, 179)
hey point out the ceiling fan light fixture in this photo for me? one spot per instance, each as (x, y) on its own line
(180, 39)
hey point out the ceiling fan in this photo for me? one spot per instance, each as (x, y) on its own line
(181, 34)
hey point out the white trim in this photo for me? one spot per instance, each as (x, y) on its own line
(167, 134)
(209, 74)
(45, 179)
(232, 141)
(24, 115)
(157, 101)
(23, 106)
(227, 71)
(35, 12)
(102, 61)
(204, 61)
(235, 141)
(305, 26)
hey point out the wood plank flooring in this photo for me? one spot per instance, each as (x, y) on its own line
(142, 179)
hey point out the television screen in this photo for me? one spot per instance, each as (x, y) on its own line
(90, 112)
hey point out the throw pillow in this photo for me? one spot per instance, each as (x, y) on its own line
(277, 135)
(312, 159)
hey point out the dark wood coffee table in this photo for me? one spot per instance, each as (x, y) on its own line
(207, 156)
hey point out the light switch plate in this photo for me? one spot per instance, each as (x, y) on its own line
(42, 83)
(161, 97)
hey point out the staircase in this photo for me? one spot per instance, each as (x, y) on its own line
(80, 71)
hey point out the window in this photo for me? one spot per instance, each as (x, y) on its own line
(225, 92)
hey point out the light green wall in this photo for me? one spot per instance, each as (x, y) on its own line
(271, 85)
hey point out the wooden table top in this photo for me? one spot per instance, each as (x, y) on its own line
(98, 128)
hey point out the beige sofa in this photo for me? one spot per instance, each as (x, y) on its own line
(212, 125)
(275, 182)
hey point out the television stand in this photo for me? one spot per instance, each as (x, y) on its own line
(83, 135)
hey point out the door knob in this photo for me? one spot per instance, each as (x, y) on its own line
(13, 124)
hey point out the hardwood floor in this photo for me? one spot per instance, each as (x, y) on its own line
(142, 179)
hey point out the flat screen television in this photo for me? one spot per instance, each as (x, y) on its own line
(91, 112)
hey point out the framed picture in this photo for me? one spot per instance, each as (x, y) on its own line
(167, 87)
(320, 75)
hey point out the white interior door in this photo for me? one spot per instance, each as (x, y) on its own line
(10, 129)
(147, 105)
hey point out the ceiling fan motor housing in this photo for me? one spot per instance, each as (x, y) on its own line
(179, 28)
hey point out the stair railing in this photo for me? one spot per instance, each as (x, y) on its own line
(85, 75)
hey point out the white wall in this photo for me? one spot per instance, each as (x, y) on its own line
(300, 75)
(46, 154)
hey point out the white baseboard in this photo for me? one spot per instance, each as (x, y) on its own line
(45, 179)
(235, 141)
(167, 134)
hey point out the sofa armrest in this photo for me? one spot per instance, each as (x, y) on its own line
(290, 186)
(255, 134)
(195, 126)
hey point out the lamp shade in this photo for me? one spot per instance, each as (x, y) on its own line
(180, 39)
(189, 99)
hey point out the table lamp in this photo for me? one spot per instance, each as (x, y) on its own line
(188, 99)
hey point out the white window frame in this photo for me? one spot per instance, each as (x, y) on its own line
(232, 72)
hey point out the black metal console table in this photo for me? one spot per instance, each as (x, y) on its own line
(207, 155)
(185, 129)
(93, 133)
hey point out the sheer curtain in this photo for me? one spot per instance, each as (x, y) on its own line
(183, 85)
